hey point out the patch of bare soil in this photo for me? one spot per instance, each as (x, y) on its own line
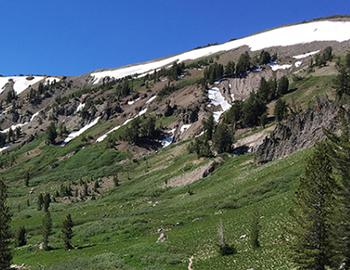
(254, 140)
(195, 175)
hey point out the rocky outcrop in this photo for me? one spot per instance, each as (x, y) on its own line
(299, 131)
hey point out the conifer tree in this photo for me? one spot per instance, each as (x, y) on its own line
(46, 229)
(281, 110)
(67, 232)
(40, 202)
(27, 178)
(21, 237)
(51, 133)
(340, 159)
(255, 230)
(5, 234)
(222, 139)
(224, 248)
(312, 245)
(46, 201)
(209, 126)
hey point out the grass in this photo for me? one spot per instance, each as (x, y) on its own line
(119, 229)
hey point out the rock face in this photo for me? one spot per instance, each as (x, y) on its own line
(300, 131)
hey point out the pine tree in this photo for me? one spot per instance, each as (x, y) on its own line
(340, 159)
(46, 201)
(222, 139)
(40, 202)
(312, 245)
(255, 230)
(281, 110)
(5, 233)
(209, 126)
(51, 133)
(224, 248)
(67, 232)
(27, 178)
(46, 229)
(283, 86)
(21, 237)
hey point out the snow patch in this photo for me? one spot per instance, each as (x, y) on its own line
(283, 36)
(104, 136)
(275, 66)
(185, 127)
(168, 138)
(4, 148)
(217, 99)
(33, 116)
(298, 63)
(301, 56)
(131, 102)
(75, 134)
(151, 99)
(80, 107)
(22, 83)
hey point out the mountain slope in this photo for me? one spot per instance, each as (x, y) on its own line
(124, 161)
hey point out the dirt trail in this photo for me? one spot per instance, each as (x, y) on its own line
(190, 263)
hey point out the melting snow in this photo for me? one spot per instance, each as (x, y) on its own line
(151, 99)
(298, 63)
(33, 116)
(284, 36)
(103, 137)
(301, 56)
(75, 134)
(4, 148)
(21, 83)
(275, 66)
(185, 127)
(131, 102)
(217, 99)
(169, 138)
(80, 107)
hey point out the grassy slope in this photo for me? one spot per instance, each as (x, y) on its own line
(119, 229)
(122, 224)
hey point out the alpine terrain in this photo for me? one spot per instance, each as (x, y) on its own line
(228, 156)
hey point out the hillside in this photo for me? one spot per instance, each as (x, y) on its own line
(127, 152)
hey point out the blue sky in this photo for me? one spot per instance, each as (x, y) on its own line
(72, 37)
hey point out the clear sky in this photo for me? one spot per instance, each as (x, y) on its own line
(72, 37)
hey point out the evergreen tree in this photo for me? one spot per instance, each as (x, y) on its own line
(281, 110)
(230, 69)
(2, 140)
(209, 125)
(46, 229)
(255, 230)
(51, 133)
(340, 159)
(27, 178)
(243, 65)
(40, 202)
(264, 58)
(342, 82)
(222, 139)
(252, 109)
(312, 248)
(283, 86)
(67, 232)
(21, 237)
(5, 233)
(46, 202)
(224, 248)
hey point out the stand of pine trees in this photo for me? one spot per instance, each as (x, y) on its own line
(5, 233)
(322, 214)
